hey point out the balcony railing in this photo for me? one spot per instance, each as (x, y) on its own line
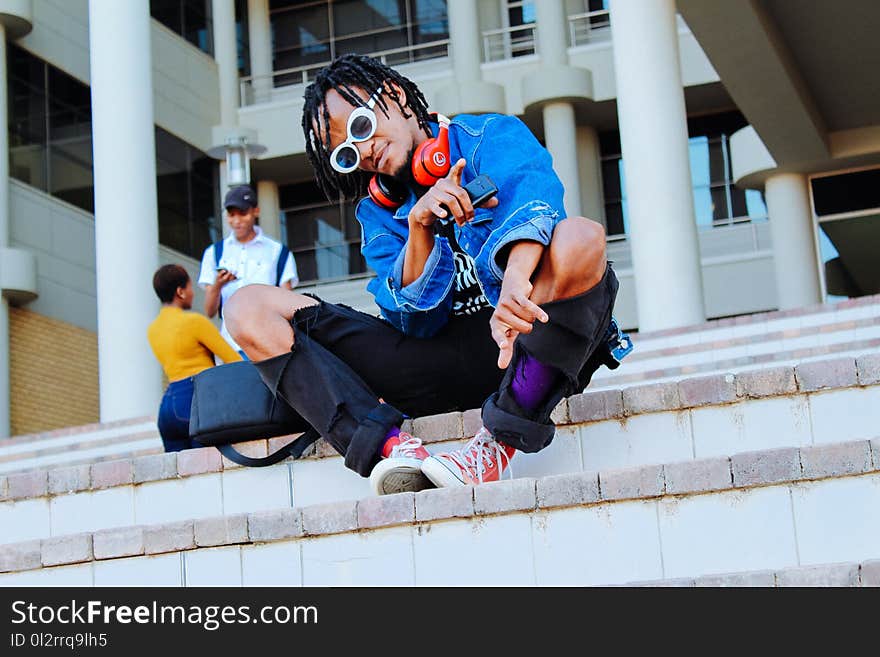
(589, 27)
(508, 42)
(258, 88)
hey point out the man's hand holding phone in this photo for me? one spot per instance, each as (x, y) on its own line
(447, 200)
(224, 276)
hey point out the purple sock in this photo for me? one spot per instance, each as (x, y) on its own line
(392, 432)
(532, 381)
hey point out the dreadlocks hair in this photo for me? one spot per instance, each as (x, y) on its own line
(344, 74)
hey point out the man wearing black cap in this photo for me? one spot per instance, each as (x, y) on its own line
(247, 255)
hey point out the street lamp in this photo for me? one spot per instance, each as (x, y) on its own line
(237, 149)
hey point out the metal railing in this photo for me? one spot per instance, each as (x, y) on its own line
(258, 88)
(516, 41)
(508, 42)
(589, 27)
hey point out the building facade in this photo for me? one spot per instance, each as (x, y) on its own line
(113, 108)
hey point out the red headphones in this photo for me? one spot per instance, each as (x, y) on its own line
(430, 163)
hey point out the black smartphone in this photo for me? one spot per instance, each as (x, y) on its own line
(479, 190)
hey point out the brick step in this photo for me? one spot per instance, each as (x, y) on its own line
(769, 510)
(70, 435)
(83, 444)
(815, 404)
(627, 376)
(648, 356)
(849, 574)
(734, 344)
(132, 446)
(767, 322)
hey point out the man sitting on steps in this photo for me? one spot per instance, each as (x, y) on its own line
(505, 306)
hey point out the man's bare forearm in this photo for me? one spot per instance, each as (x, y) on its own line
(418, 248)
(523, 259)
(212, 299)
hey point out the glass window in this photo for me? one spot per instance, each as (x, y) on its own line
(70, 140)
(717, 201)
(191, 19)
(308, 35)
(28, 118)
(846, 192)
(324, 237)
(187, 196)
(50, 148)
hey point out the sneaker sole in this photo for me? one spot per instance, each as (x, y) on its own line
(435, 470)
(388, 478)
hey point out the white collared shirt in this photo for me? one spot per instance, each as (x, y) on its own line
(251, 262)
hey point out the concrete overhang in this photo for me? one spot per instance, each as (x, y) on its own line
(17, 17)
(752, 163)
(754, 61)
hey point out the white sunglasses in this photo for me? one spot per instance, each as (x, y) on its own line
(345, 158)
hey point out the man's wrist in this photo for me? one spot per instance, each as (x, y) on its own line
(415, 224)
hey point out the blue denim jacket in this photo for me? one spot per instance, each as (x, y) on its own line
(530, 206)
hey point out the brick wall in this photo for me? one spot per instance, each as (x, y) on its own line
(53, 373)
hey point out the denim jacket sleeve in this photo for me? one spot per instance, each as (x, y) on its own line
(422, 307)
(529, 192)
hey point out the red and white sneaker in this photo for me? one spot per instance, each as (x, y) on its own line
(400, 469)
(482, 460)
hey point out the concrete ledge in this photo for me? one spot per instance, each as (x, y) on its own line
(757, 318)
(74, 548)
(766, 467)
(119, 542)
(225, 530)
(505, 496)
(275, 525)
(584, 408)
(374, 512)
(567, 490)
(333, 518)
(749, 470)
(849, 574)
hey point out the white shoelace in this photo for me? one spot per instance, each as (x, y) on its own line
(479, 454)
(407, 447)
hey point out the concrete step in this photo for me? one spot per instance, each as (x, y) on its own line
(769, 510)
(737, 344)
(628, 376)
(83, 444)
(849, 574)
(824, 403)
(747, 344)
(806, 317)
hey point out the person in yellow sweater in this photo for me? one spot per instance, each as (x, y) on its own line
(184, 343)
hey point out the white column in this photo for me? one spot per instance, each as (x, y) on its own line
(560, 127)
(226, 55)
(221, 178)
(467, 92)
(464, 35)
(5, 420)
(589, 162)
(270, 212)
(260, 44)
(561, 139)
(653, 134)
(551, 24)
(794, 252)
(126, 225)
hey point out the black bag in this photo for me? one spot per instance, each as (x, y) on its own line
(231, 404)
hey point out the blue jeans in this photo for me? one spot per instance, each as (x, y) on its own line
(174, 414)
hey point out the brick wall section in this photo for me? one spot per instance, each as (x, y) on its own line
(53, 373)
